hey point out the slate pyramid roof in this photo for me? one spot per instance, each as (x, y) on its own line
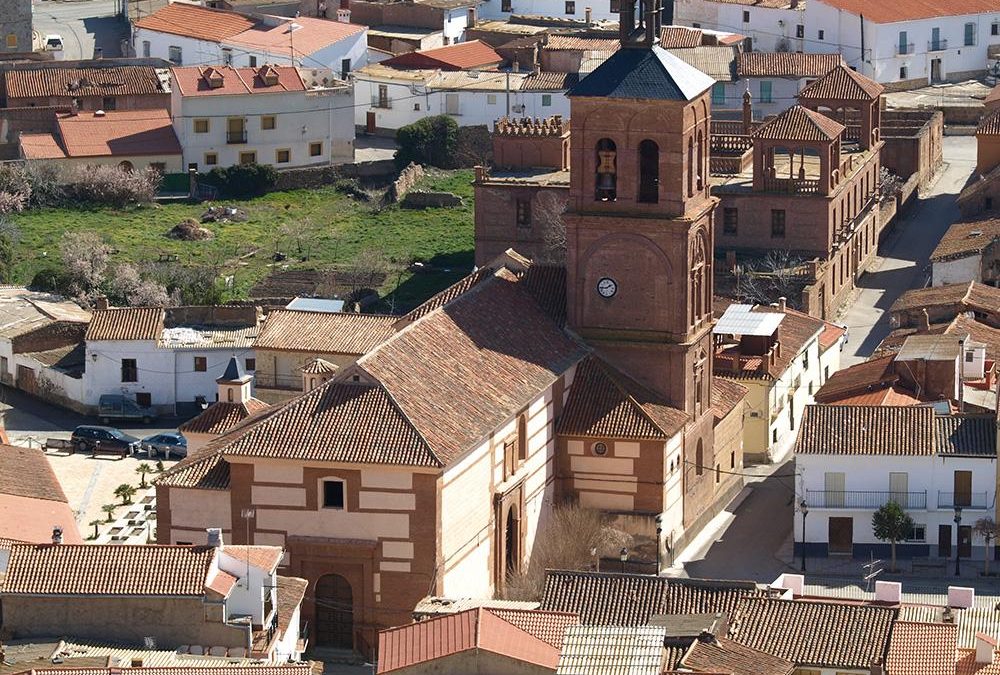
(234, 372)
(644, 73)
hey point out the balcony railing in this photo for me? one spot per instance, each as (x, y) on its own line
(381, 102)
(864, 499)
(937, 45)
(902, 50)
(792, 185)
(233, 137)
(966, 500)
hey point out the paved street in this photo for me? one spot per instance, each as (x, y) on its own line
(82, 25)
(905, 254)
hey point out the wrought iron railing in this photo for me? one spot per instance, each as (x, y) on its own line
(965, 500)
(864, 499)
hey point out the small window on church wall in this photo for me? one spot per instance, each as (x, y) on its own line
(649, 172)
(523, 213)
(607, 175)
(699, 456)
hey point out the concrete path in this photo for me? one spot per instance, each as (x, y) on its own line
(904, 256)
(83, 26)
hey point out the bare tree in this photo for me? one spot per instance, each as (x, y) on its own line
(778, 274)
(889, 185)
(988, 530)
(549, 209)
(85, 259)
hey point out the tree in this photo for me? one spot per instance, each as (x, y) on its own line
(159, 466)
(96, 524)
(431, 140)
(891, 523)
(988, 530)
(85, 259)
(142, 470)
(110, 510)
(125, 492)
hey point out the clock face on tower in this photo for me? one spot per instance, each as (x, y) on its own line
(607, 287)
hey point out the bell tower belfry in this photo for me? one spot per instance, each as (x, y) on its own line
(639, 221)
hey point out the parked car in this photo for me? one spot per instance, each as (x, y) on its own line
(118, 407)
(169, 444)
(96, 439)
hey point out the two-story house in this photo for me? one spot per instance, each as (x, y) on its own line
(852, 459)
(267, 115)
(907, 44)
(191, 35)
(227, 600)
(167, 359)
(769, 25)
(91, 85)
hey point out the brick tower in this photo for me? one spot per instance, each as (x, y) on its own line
(639, 230)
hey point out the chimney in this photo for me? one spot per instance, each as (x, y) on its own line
(344, 15)
(877, 668)
(588, 15)
(890, 592)
(471, 22)
(101, 302)
(747, 111)
(985, 648)
(782, 304)
(215, 537)
(925, 320)
(57, 535)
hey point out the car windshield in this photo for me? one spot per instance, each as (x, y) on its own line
(117, 434)
(54, 42)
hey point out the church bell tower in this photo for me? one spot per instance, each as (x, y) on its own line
(639, 222)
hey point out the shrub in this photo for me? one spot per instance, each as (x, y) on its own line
(187, 285)
(50, 280)
(112, 186)
(242, 180)
(15, 188)
(432, 140)
(46, 180)
(85, 263)
(127, 287)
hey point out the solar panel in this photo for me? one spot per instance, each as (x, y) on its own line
(742, 320)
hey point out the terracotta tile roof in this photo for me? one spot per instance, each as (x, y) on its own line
(830, 335)
(461, 56)
(865, 377)
(549, 81)
(447, 635)
(723, 655)
(799, 124)
(631, 599)
(726, 395)
(989, 125)
(79, 82)
(127, 323)
(263, 557)
(26, 472)
(312, 35)
(202, 23)
(31, 520)
(796, 331)
(291, 592)
(195, 81)
(79, 569)
(966, 435)
(202, 471)
(222, 583)
(979, 332)
(922, 649)
(548, 627)
(576, 42)
(287, 669)
(612, 650)
(604, 403)
(829, 635)
(967, 238)
(716, 61)
(842, 84)
(318, 366)
(679, 37)
(973, 295)
(120, 133)
(547, 285)
(323, 332)
(786, 64)
(337, 422)
(866, 430)
(892, 12)
(890, 396)
(966, 664)
(447, 295)
(222, 416)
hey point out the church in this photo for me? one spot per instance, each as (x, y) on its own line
(429, 465)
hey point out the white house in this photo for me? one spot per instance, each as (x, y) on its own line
(907, 44)
(191, 35)
(268, 115)
(851, 460)
(587, 10)
(769, 25)
(165, 358)
(967, 252)
(386, 99)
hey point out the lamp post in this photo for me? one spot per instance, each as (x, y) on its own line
(804, 508)
(623, 556)
(659, 531)
(958, 541)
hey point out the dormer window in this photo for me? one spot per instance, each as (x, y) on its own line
(268, 75)
(213, 78)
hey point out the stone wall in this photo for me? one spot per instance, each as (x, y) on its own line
(913, 142)
(408, 177)
(425, 200)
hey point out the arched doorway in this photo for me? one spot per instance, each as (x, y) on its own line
(334, 612)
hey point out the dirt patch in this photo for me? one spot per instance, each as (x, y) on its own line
(190, 229)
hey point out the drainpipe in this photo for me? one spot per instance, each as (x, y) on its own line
(862, 43)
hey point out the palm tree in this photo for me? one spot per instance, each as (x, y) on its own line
(96, 524)
(125, 493)
(987, 529)
(142, 470)
(110, 510)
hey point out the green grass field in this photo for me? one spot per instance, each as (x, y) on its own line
(316, 229)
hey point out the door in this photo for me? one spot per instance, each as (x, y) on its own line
(841, 535)
(26, 379)
(451, 104)
(963, 488)
(899, 488)
(370, 122)
(236, 130)
(944, 541)
(935, 40)
(833, 486)
(965, 541)
(935, 70)
(334, 612)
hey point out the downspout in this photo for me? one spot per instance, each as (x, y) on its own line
(862, 43)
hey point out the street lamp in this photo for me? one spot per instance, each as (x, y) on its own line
(623, 556)
(804, 508)
(659, 531)
(958, 540)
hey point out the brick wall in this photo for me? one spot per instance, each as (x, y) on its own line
(496, 227)
(913, 142)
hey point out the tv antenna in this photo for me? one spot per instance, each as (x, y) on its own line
(871, 571)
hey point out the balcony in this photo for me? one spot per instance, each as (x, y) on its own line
(381, 102)
(236, 137)
(903, 50)
(864, 499)
(937, 45)
(966, 500)
(792, 185)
